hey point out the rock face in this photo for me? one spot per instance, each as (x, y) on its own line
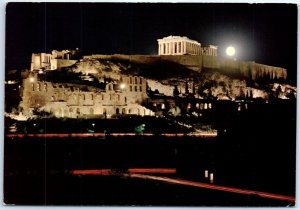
(198, 63)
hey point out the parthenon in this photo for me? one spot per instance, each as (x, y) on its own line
(177, 45)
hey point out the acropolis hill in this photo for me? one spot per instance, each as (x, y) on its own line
(190, 54)
(67, 84)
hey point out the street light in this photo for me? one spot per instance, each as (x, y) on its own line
(31, 79)
(122, 86)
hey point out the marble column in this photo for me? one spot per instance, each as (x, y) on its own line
(168, 48)
(173, 48)
(158, 49)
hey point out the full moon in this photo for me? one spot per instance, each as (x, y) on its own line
(230, 51)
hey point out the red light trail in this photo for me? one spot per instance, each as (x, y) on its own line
(141, 173)
(213, 187)
(86, 135)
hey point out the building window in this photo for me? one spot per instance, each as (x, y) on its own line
(102, 97)
(201, 106)
(45, 87)
(117, 111)
(130, 78)
(141, 80)
(123, 111)
(77, 111)
(130, 88)
(163, 106)
(135, 88)
(135, 80)
(197, 105)
(32, 87)
(125, 99)
(141, 88)
(92, 97)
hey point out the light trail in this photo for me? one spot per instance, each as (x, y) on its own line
(141, 173)
(106, 172)
(86, 135)
(213, 187)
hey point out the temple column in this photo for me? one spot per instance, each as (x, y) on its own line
(168, 48)
(158, 49)
(174, 48)
(179, 47)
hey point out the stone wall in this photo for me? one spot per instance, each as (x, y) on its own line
(246, 69)
(64, 63)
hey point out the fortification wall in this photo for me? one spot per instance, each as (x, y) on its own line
(65, 63)
(247, 69)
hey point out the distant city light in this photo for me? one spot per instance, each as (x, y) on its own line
(230, 51)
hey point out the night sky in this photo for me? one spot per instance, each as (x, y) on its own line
(264, 33)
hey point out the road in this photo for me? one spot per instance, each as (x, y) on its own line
(213, 187)
(143, 173)
(102, 135)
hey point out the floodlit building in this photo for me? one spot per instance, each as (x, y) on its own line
(55, 59)
(177, 45)
(81, 101)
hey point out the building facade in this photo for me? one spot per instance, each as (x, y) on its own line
(177, 45)
(81, 101)
(53, 60)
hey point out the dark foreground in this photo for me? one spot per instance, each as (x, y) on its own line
(254, 150)
(39, 172)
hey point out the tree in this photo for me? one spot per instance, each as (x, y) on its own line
(186, 88)
(194, 89)
(176, 91)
